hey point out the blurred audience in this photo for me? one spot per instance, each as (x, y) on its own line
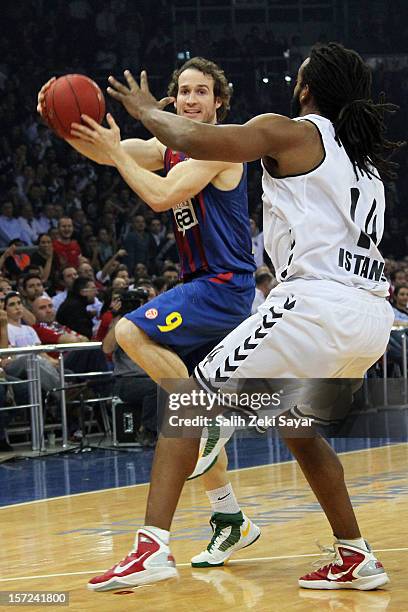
(73, 312)
(132, 385)
(264, 281)
(66, 248)
(68, 276)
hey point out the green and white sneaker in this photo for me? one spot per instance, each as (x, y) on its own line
(231, 532)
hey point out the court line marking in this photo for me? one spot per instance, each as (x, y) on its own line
(143, 484)
(232, 562)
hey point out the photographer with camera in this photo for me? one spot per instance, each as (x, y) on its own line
(132, 385)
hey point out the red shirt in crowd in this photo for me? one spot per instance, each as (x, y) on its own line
(49, 333)
(67, 253)
(103, 327)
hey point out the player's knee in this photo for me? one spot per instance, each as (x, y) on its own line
(120, 331)
(301, 445)
(128, 335)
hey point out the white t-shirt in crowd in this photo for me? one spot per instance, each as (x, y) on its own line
(22, 335)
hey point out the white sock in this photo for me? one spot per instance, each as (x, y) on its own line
(223, 500)
(162, 534)
(359, 542)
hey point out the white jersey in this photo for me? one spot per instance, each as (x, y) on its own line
(326, 224)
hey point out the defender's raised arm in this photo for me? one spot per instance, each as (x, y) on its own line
(265, 135)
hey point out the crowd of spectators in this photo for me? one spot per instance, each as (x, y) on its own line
(71, 232)
(51, 293)
(38, 170)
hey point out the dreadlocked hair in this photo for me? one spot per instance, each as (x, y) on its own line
(340, 82)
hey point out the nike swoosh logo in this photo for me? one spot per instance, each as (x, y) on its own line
(335, 576)
(246, 530)
(220, 498)
(122, 568)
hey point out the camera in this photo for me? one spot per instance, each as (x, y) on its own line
(130, 300)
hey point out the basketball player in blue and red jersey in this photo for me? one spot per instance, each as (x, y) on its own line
(209, 208)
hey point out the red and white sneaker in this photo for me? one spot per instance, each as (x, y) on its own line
(350, 567)
(150, 561)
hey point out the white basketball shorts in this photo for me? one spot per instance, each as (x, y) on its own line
(304, 329)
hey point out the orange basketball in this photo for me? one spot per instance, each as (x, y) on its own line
(67, 98)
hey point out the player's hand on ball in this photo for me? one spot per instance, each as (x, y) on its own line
(108, 139)
(134, 98)
(41, 96)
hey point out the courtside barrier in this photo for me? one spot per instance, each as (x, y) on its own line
(34, 382)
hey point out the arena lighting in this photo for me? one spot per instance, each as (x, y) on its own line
(288, 78)
(265, 80)
(231, 85)
(183, 55)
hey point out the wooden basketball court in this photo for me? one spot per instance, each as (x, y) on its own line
(59, 544)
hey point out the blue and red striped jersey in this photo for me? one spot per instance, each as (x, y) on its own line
(212, 229)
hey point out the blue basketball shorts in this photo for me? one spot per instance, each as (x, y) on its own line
(197, 313)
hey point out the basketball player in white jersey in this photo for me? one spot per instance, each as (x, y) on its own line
(327, 318)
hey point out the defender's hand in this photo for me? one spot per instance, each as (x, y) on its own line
(136, 99)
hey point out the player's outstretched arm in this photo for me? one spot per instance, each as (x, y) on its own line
(160, 193)
(148, 153)
(265, 135)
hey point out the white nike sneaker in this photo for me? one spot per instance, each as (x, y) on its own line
(150, 561)
(346, 567)
(231, 532)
